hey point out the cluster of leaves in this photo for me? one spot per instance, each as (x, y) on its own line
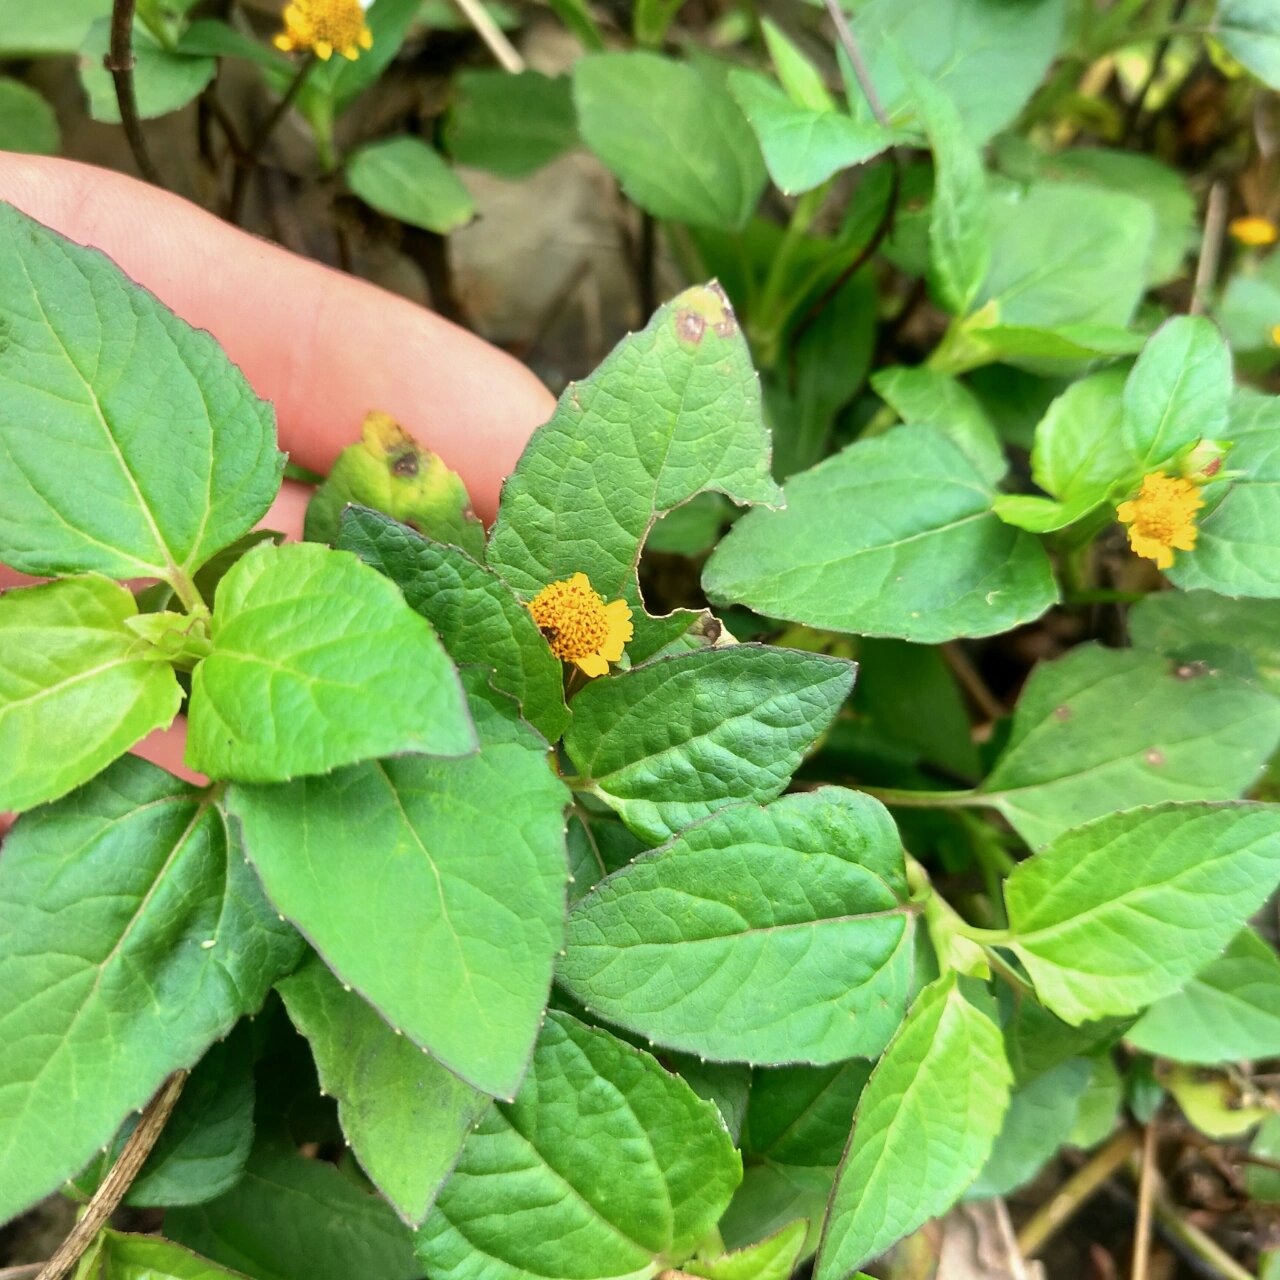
(601, 978)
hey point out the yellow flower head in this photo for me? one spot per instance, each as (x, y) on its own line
(1275, 335)
(325, 26)
(1255, 232)
(1162, 517)
(579, 626)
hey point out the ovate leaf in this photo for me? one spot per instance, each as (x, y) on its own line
(27, 121)
(318, 662)
(894, 536)
(923, 1129)
(1121, 912)
(290, 1217)
(129, 444)
(135, 935)
(77, 687)
(1106, 729)
(764, 935)
(605, 1166)
(803, 1115)
(116, 1256)
(673, 137)
(475, 613)
(1228, 1012)
(673, 411)
(405, 178)
(509, 124)
(404, 1115)
(773, 1258)
(671, 742)
(460, 862)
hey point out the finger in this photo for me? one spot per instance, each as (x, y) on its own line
(323, 347)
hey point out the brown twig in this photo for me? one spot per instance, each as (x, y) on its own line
(489, 31)
(116, 1184)
(119, 61)
(1076, 1192)
(1215, 221)
(247, 162)
(849, 43)
(1146, 1202)
(971, 679)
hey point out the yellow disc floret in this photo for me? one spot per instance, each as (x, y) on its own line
(325, 26)
(1255, 232)
(1162, 518)
(579, 626)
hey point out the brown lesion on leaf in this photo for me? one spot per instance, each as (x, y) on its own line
(405, 464)
(690, 326)
(1063, 712)
(1190, 670)
(702, 307)
(1154, 756)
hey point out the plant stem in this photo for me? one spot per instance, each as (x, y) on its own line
(1215, 221)
(1146, 1192)
(768, 315)
(1196, 1242)
(119, 61)
(926, 799)
(849, 43)
(489, 31)
(246, 164)
(114, 1186)
(1078, 1189)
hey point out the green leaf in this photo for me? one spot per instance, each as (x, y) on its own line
(473, 611)
(985, 59)
(462, 865)
(135, 936)
(763, 935)
(671, 135)
(1039, 1120)
(604, 1166)
(318, 662)
(924, 1127)
(391, 472)
(131, 446)
(1198, 626)
(77, 687)
(802, 81)
(202, 1150)
(673, 411)
(405, 178)
(1178, 392)
(1164, 189)
(1249, 30)
(774, 1258)
(1036, 346)
(671, 742)
(27, 121)
(1238, 550)
(1228, 1012)
(126, 1257)
(216, 39)
(894, 536)
(291, 1217)
(1067, 255)
(164, 80)
(28, 30)
(803, 1115)
(803, 146)
(923, 396)
(404, 1115)
(773, 1195)
(960, 244)
(1105, 729)
(1121, 912)
(511, 125)
(1079, 453)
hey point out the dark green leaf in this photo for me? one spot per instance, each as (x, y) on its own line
(27, 121)
(803, 1115)
(509, 124)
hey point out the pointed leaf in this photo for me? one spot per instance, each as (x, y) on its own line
(774, 1258)
(764, 935)
(128, 1257)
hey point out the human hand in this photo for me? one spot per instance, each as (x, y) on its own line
(323, 347)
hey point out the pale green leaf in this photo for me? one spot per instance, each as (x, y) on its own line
(799, 77)
(1121, 912)
(404, 1115)
(1228, 1012)
(27, 121)
(405, 178)
(318, 662)
(129, 444)
(774, 1258)
(894, 536)
(135, 936)
(763, 935)
(673, 741)
(475, 614)
(128, 1257)
(924, 1127)
(605, 1166)
(509, 124)
(460, 862)
(1238, 550)
(673, 411)
(1079, 453)
(290, 1217)
(1249, 30)
(77, 687)
(33, 30)
(1105, 729)
(673, 137)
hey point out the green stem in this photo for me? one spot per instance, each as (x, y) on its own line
(1103, 597)
(188, 593)
(896, 796)
(769, 314)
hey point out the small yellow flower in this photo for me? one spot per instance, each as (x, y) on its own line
(326, 26)
(1255, 232)
(579, 626)
(1162, 518)
(1275, 335)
